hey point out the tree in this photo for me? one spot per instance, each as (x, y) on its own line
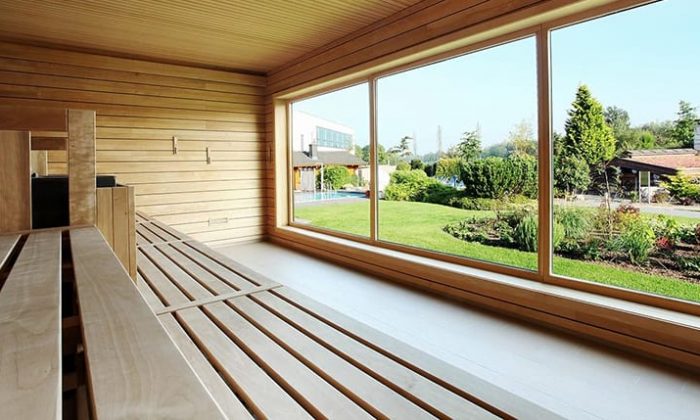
(417, 164)
(571, 175)
(382, 156)
(618, 119)
(403, 149)
(359, 152)
(496, 150)
(448, 168)
(469, 146)
(587, 133)
(334, 177)
(684, 126)
(663, 133)
(521, 140)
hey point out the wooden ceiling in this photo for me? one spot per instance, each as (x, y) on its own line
(250, 35)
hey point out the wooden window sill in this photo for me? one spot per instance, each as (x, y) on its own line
(662, 334)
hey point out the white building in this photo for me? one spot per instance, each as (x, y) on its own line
(309, 129)
(317, 143)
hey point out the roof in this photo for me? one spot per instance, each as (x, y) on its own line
(342, 158)
(662, 161)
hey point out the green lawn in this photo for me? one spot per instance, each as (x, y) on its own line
(420, 225)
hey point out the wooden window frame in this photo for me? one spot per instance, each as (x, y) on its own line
(326, 239)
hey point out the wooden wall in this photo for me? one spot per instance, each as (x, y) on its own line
(140, 107)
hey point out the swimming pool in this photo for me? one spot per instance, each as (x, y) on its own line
(306, 197)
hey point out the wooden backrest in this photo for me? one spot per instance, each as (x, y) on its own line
(15, 187)
(48, 128)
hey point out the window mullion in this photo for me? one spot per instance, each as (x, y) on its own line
(544, 156)
(373, 161)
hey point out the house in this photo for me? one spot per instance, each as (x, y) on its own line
(317, 143)
(656, 165)
(152, 265)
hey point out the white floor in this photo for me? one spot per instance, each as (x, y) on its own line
(573, 377)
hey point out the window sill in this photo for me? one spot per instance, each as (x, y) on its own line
(659, 333)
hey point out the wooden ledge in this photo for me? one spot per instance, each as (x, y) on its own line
(665, 335)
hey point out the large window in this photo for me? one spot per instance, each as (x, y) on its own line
(626, 166)
(457, 158)
(330, 161)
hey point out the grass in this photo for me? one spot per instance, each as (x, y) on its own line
(420, 225)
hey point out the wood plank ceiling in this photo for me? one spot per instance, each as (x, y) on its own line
(254, 36)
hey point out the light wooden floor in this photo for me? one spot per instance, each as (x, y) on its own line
(562, 373)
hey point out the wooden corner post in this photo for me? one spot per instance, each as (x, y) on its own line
(81, 167)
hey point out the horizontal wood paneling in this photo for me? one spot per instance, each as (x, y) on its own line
(237, 34)
(140, 107)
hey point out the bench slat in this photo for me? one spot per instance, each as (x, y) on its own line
(30, 331)
(429, 366)
(318, 396)
(227, 400)
(262, 394)
(7, 244)
(134, 370)
(372, 395)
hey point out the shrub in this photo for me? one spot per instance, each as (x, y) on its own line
(415, 185)
(495, 177)
(438, 193)
(668, 232)
(575, 222)
(334, 177)
(525, 233)
(403, 166)
(636, 240)
(417, 164)
(661, 197)
(683, 188)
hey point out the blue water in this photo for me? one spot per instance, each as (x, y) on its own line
(305, 197)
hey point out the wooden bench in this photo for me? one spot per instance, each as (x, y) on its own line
(264, 350)
(132, 369)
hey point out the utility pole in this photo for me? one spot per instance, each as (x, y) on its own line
(439, 141)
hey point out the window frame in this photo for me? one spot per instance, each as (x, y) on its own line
(544, 272)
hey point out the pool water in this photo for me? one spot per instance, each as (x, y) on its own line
(305, 197)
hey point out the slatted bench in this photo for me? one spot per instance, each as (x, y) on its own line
(266, 351)
(55, 280)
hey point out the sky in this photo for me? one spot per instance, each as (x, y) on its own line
(644, 60)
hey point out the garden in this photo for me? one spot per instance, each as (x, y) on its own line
(483, 205)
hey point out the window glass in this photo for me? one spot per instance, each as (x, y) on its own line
(457, 151)
(626, 149)
(330, 160)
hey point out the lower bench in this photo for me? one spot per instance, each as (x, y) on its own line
(266, 351)
(131, 367)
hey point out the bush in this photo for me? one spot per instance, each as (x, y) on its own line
(525, 233)
(438, 193)
(575, 222)
(668, 232)
(403, 166)
(661, 197)
(417, 164)
(636, 240)
(334, 177)
(495, 177)
(684, 189)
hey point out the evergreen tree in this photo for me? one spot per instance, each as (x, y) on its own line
(587, 133)
(469, 146)
(684, 126)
